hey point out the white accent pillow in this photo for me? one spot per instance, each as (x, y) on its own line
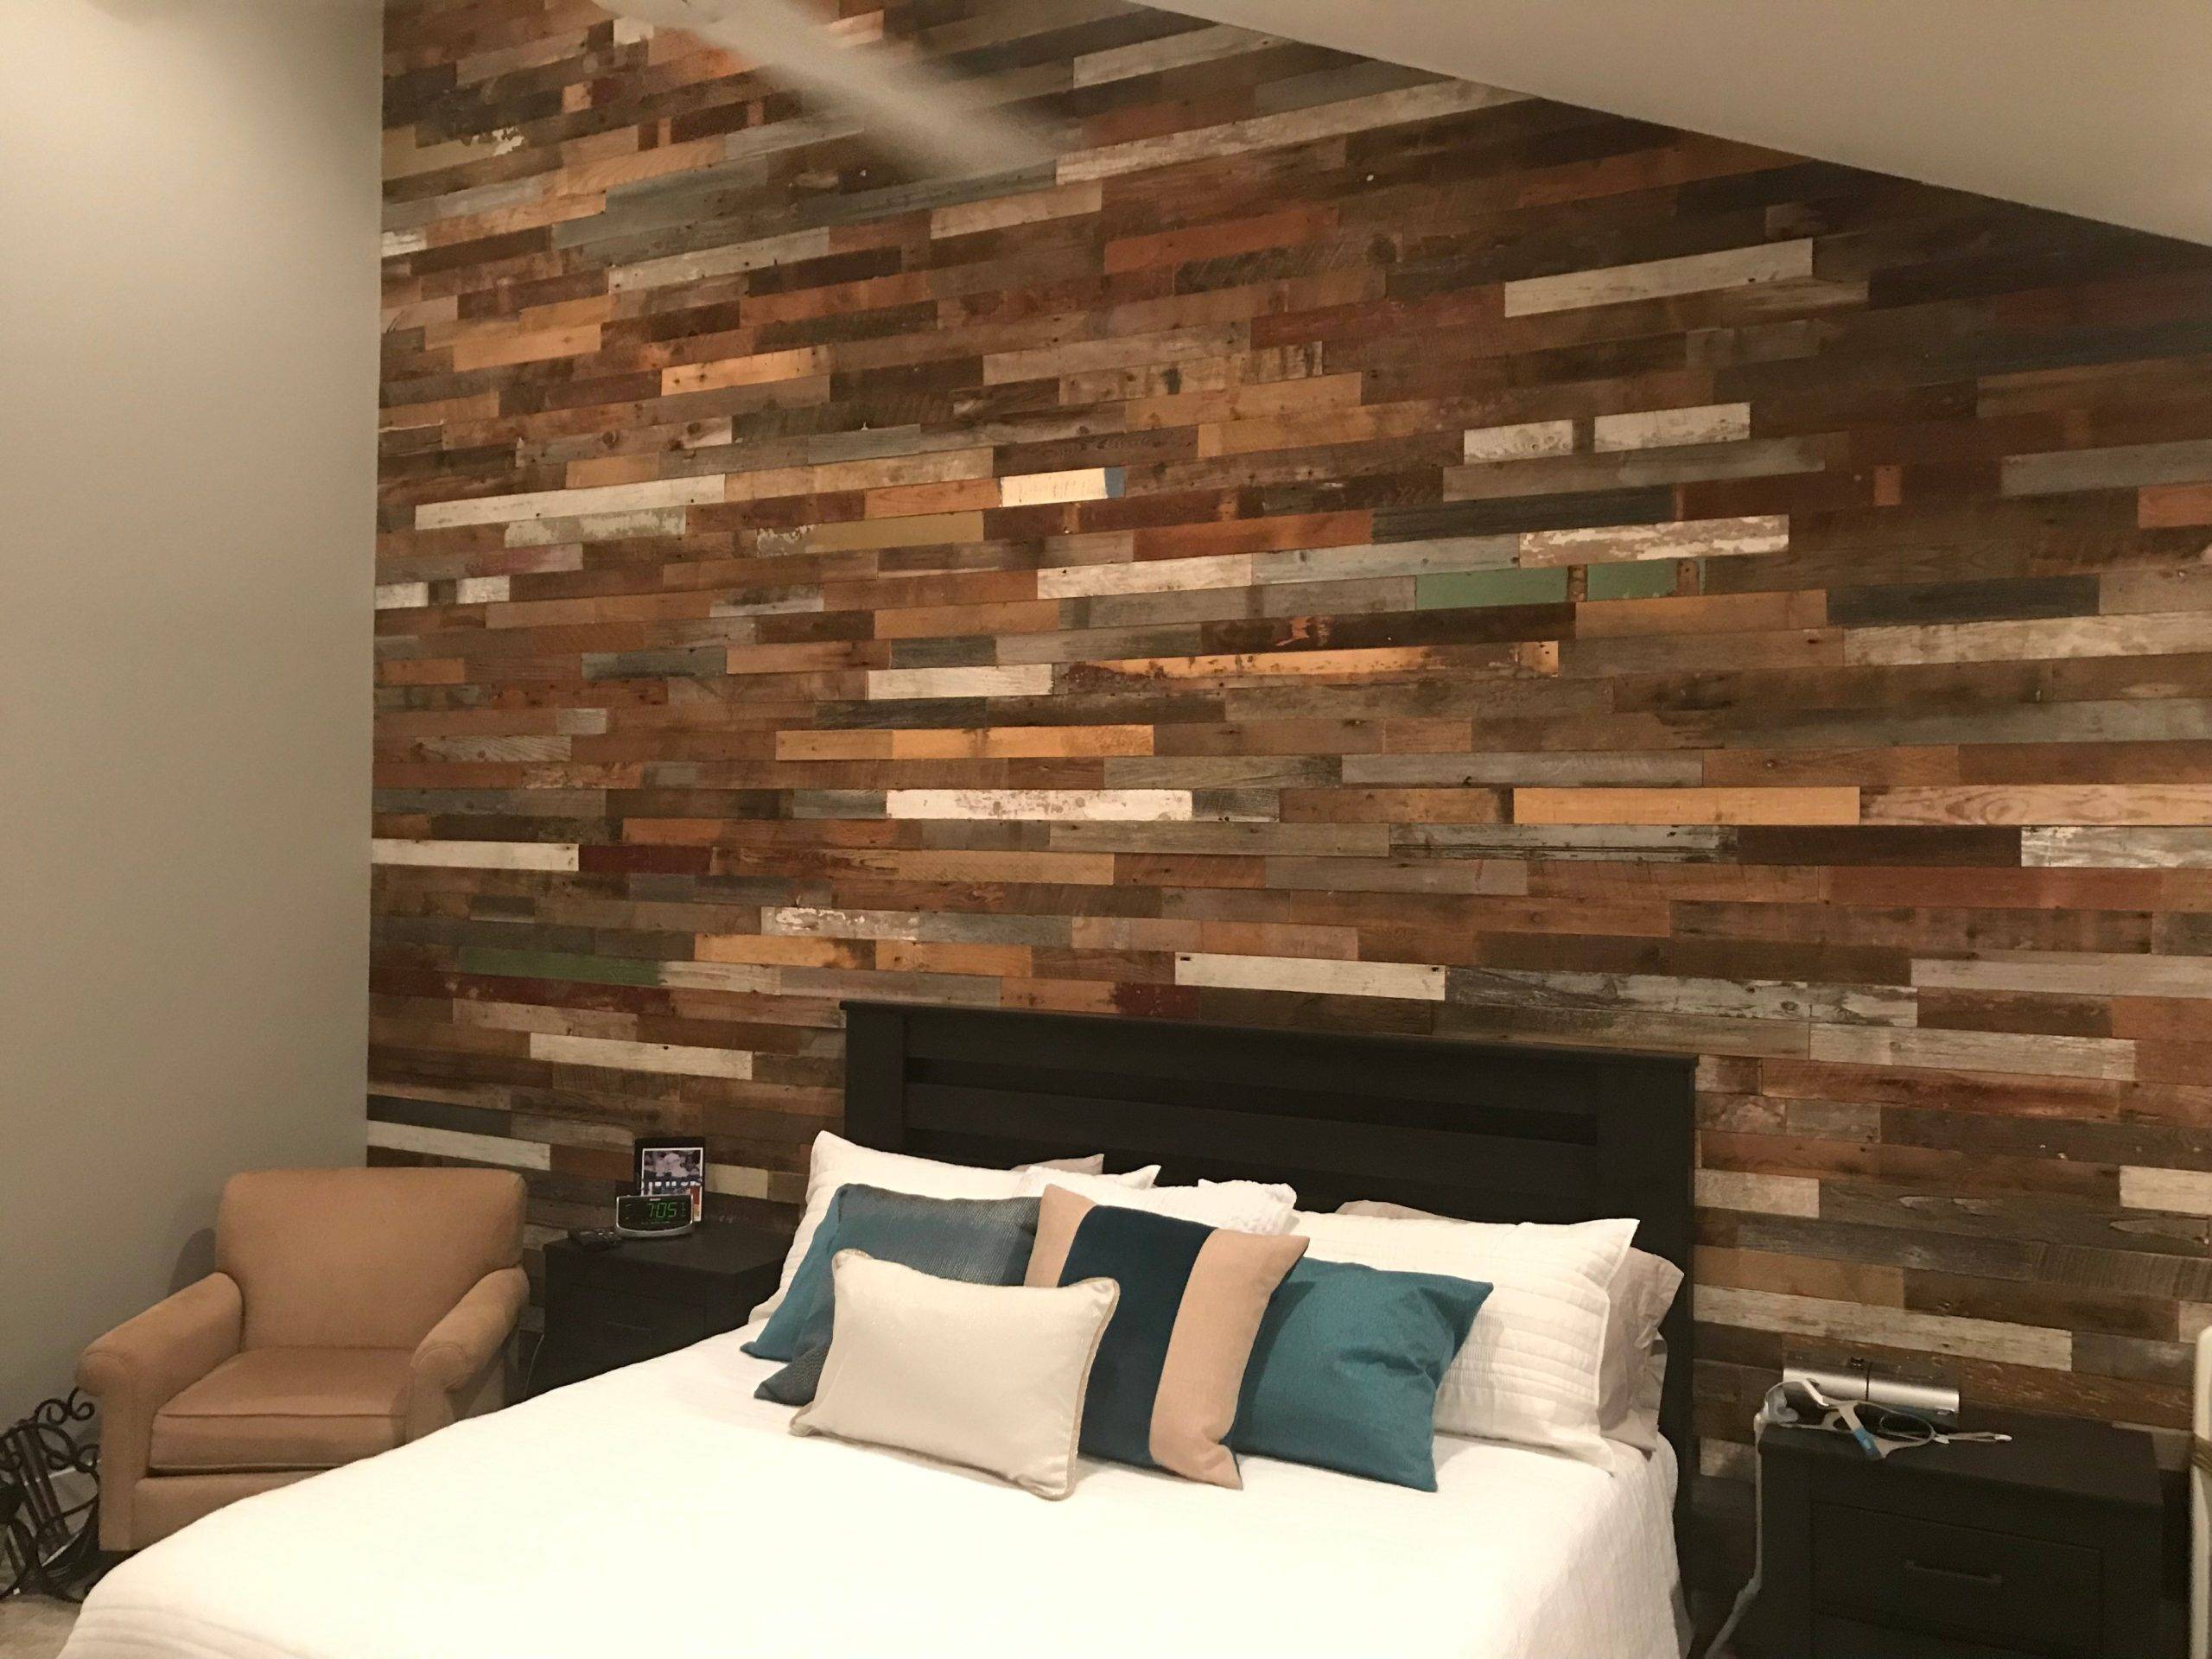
(1532, 1368)
(990, 1376)
(1240, 1207)
(836, 1160)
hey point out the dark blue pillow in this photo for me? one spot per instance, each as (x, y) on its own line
(979, 1241)
(1345, 1372)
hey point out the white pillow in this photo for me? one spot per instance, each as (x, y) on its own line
(836, 1161)
(1532, 1368)
(1635, 1366)
(1634, 1370)
(1094, 1165)
(1639, 1425)
(1240, 1207)
(992, 1376)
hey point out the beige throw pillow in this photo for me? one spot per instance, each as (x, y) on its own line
(990, 1376)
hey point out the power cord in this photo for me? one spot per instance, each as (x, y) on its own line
(1749, 1593)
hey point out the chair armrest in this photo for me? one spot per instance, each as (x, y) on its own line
(143, 1364)
(461, 1345)
(2204, 1383)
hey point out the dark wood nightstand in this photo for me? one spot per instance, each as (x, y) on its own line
(2048, 1547)
(649, 1296)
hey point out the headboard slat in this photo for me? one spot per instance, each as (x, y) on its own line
(1260, 1143)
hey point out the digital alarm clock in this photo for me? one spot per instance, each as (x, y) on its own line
(652, 1214)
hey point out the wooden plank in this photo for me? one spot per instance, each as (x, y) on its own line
(1423, 103)
(897, 684)
(1859, 1323)
(1657, 806)
(1656, 279)
(2045, 804)
(462, 1147)
(2034, 1055)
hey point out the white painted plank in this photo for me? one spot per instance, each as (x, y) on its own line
(476, 854)
(1688, 538)
(1665, 428)
(2181, 1191)
(1519, 441)
(1410, 981)
(1060, 806)
(674, 1059)
(1047, 489)
(2074, 846)
(569, 504)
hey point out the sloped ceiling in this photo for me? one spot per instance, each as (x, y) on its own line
(2097, 107)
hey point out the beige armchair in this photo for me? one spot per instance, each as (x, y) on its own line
(350, 1310)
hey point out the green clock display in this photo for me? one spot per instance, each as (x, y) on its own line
(648, 1215)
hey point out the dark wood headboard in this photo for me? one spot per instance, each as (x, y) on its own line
(1485, 1132)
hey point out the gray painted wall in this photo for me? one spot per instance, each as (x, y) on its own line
(189, 205)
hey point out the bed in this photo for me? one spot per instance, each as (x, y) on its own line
(663, 1507)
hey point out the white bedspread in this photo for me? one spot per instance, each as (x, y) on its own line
(662, 1509)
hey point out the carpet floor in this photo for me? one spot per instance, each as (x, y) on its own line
(34, 1627)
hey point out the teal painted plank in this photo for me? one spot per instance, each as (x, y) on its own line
(1459, 589)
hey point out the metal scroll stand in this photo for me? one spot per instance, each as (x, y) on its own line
(49, 1543)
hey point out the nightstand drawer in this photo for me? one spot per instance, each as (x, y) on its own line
(2025, 1594)
(673, 1324)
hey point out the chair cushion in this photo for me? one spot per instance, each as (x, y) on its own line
(273, 1408)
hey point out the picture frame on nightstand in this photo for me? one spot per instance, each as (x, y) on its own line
(665, 1165)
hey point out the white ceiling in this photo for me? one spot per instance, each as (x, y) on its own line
(2097, 107)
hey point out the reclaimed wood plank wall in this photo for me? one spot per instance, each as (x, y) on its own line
(1338, 548)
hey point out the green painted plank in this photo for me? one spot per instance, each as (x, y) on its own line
(1633, 579)
(1460, 590)
(556, 964)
